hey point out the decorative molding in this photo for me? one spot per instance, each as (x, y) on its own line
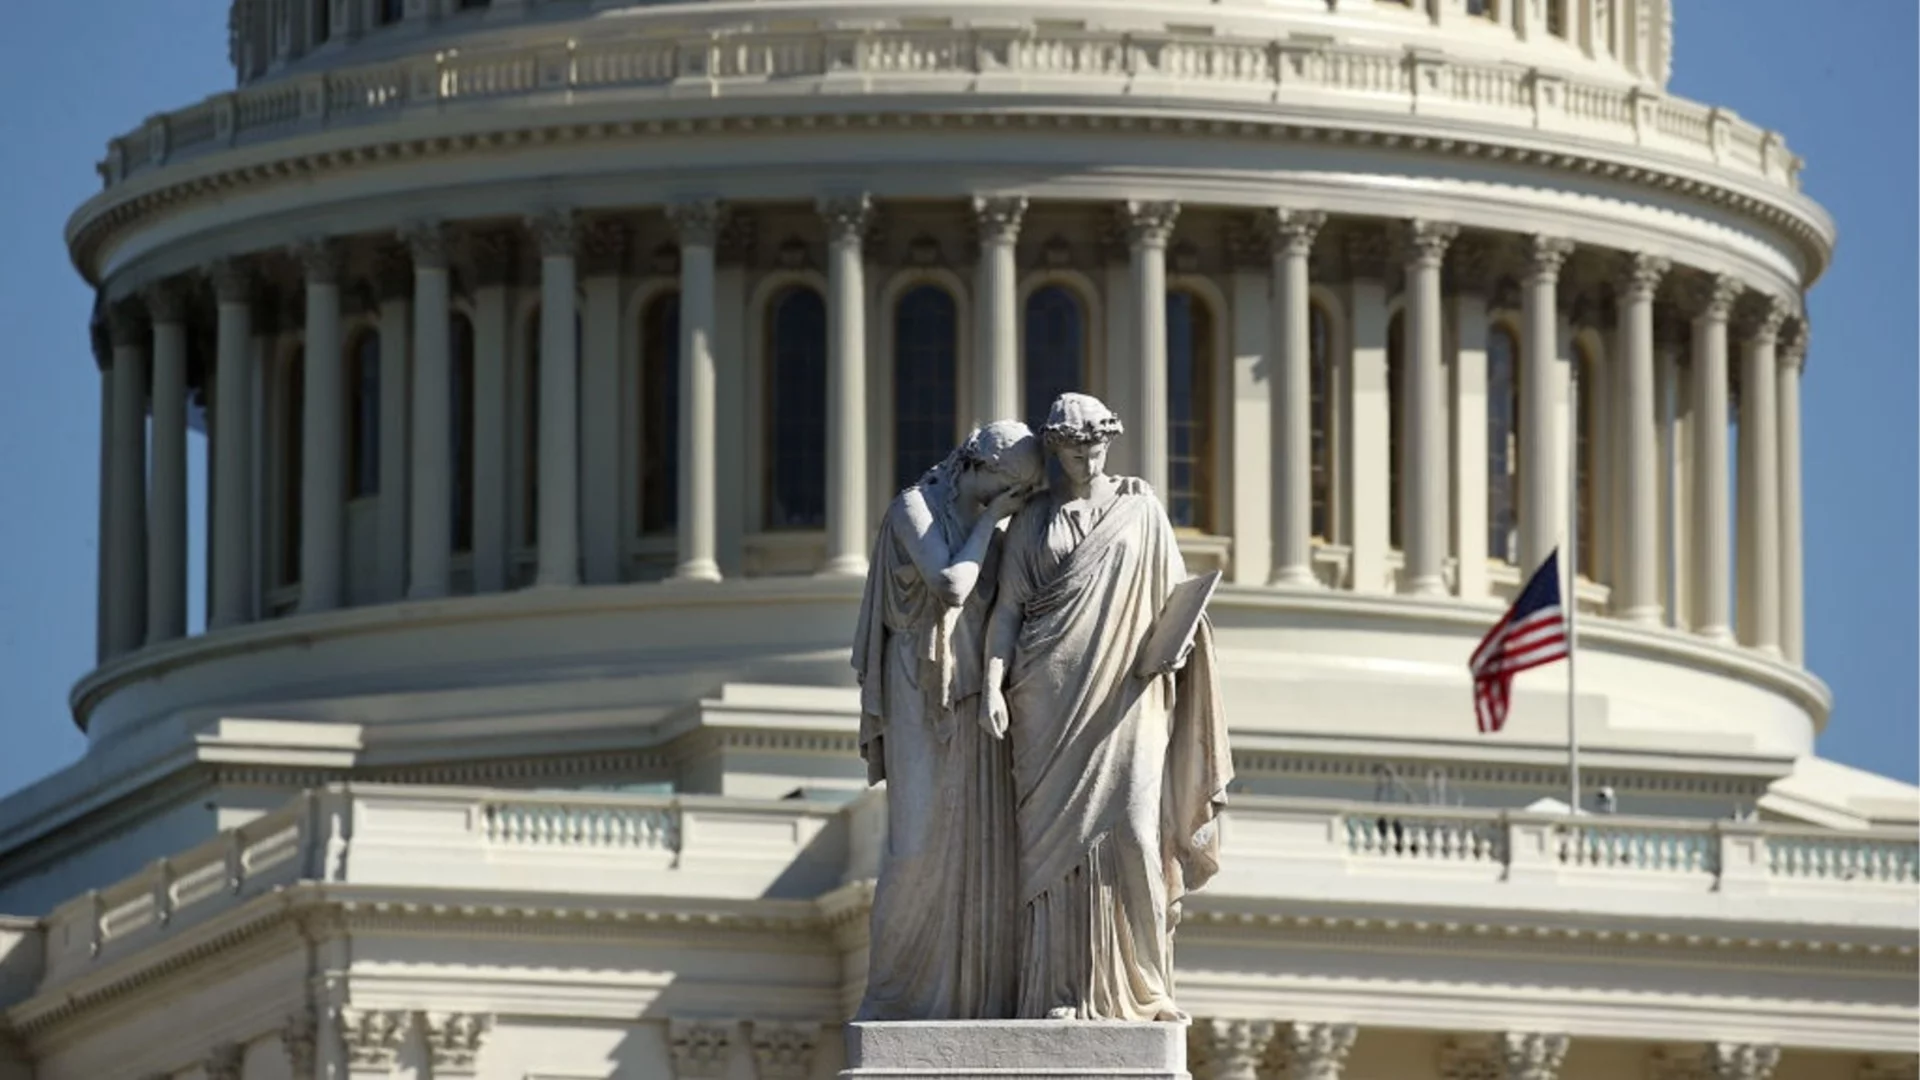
(1546, 255)
(1470, 1058)
(702, 1049)
(1316, 1051)
(1227, 1049)
(739, 230)
(1759, 317)
(166, 300)
(1742, 1061)
(494, 255)
(373, 1037)
(393, 272)
(1369, 255)
(1532, 1056)
(1712, 296)
(784, 1050)
(603, 247)
(453, 1041)
(1294, 231)
(233, 280)
(996, 218)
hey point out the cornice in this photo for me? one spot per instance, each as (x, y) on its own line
(310, 153)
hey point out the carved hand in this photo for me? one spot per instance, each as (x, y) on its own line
(993, 711)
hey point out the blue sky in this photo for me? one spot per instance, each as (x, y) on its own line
(1838, 79)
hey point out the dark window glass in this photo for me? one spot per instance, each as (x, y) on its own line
(293, 397)
(530, 436)
(471, 5)
(797, 411)
(1189, 492)
(322, 21)
(926, 327)
(1056, 349)
(460, 337)
(392, 11)
(660, 414)
(1486, 9)
(1585, 427)
(363, 416)
(1396, 369)
(1503, 445)
(1557, 18)
(1320, 348)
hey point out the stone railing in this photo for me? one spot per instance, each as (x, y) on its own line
(710, 851)
(1247, 75)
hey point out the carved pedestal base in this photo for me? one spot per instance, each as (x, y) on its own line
(1015, 1050)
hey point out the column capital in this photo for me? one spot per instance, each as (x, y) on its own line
(700, 1048)
(1639, 276)
(233, 280)
(373, 1037)
(1742, 1061)
(1293, 231)
(1149, 223)
(1317, 1051)
(393, 272)
(1712, 297)
(1532, 1055)
(127, 323)
(224, 1062)
(1427, 241)
(494, 254)
(166, 300)
(1228, 1049)
(784, 1051)
(557, 231)
(1793, 345)
(319, 259)
(453, 1041)
(846, 216)
(426, 243)
(696, 222)
(996, 218)
(603, 247)
(1761, 316)
(1546, 255)
(1368, 252)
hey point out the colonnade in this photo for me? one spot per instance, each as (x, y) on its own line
(1664, 511)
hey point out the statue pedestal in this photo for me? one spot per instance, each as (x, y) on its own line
(1015, 1050)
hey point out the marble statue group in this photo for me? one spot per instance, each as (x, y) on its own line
(1038, 691)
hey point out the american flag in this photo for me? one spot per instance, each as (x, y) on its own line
(1532, 632)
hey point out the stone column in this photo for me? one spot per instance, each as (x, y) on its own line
(393, 276)
(102, 345)
(1793, 589)
(430, 547)
(1529, 1056)
(322, 465)
(127, 483)
(732, 255)
(167, 500)
(559, 459)
(697, 223)
(1290, 387)
(1423, 436)
(847, 539)
(1670, 332)
(603, 255)
(1220, 1049)
(1640, 582)
(1760, 476)
(492, 255)
(231, 542)
(1149, 228)
(1471, 272)
(1317, 1051)
(1712, 547)
(997, 221)
(1542, 437)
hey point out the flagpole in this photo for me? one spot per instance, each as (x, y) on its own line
(1571, 600)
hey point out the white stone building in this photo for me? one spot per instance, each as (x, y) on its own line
(520, 744)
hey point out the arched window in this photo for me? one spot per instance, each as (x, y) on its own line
(926, 344)
(391, 11)
(1396, 412)
(1503, 445)
(797, 410)
(363, 415)
(290, 423)
(1190, 427)
(460, 339)
(1586, 428)
(660, 414)
(1557, 18)
(1320, 393)
(1056, 348)
(1486, 9)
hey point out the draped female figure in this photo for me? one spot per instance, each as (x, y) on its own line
(939, 944)
(1118, 773)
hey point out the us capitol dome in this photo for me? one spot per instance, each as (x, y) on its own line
(556, 358)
